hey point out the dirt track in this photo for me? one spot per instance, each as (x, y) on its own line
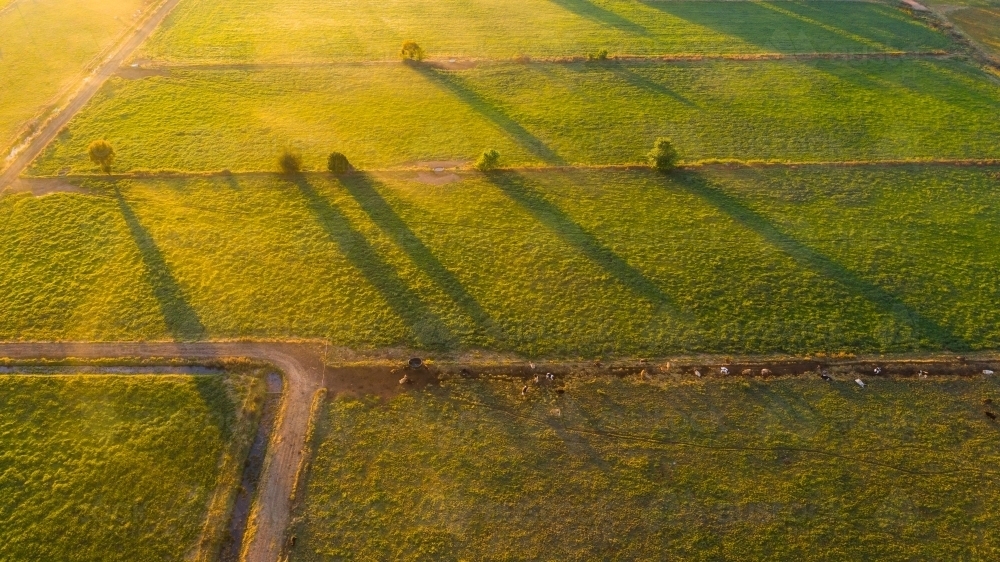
(92, 83)
(303, 370)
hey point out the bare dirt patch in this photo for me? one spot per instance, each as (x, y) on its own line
(440, 165)
(43, 186)
(380, 381)
(453, 64)
(136, 72)
(437, 178)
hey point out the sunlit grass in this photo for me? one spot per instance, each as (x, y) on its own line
(556, 262)
(44, 48)
(203, 31)
(117, 467)
(539, 114)
(795, 469)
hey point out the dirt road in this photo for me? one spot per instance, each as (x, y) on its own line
(92, 83)
(302, 367)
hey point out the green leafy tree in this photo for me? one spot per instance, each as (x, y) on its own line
(290, 161)
(601, 55)
(411, 51)
(489, 160)
(102, 154)
(664, 156)
(337, 164)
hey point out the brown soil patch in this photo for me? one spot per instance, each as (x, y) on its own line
(453, 64)
(139, 72)
(437, 178)
(442, 164)
(43, 186)
(378, 381)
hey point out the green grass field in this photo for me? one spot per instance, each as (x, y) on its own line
(560, 263)
(44, 48)
(118, 467)
(793, 469)
(203, 31)
(539, 114)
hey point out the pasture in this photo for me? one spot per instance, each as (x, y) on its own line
(539, 114)
(565, 263)
(676, 468)
(268, 31)
(132, 467)
(46, 47)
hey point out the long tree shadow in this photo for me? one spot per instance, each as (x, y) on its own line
(555, 219)
(603, 16)
(889, 303)
(363, 188)
(180, 318)
(428, 330)
(636, 80)
(452, 83)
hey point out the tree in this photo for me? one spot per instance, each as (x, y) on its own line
(663, 157)
(490, 160)
(601, 55)
(337, 164)
(411, 51)
(290, 161)
(102, 154)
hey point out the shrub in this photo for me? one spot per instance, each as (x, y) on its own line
(522, 58)
(490, 160)
(290, 162)
(102, 154)
(411, 51)
(337, 163)
(598, 56)
(663, 157)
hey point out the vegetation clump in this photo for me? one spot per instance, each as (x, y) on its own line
(411, 51)
(599, 55)
(663, 157)
(337, 163)
(290, 161)
(488, 160)
(102, 154)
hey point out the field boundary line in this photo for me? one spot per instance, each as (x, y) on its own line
(460, 63)
(712, 163)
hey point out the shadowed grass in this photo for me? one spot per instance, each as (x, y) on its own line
(890, 303)
(546, 262)
(181, 320)
(427, 328)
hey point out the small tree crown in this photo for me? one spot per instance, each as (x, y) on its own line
(664, 156)
(489, 160)
(102, 154)
(290, 162)
(337, 163)
(411, 51)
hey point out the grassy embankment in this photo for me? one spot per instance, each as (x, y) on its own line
(789, 469)
(740, 260)
(120, 467)
(540, 114)
(204, 31)
(44, 48)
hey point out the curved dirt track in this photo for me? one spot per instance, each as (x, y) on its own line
(91, 84)
(302, 367)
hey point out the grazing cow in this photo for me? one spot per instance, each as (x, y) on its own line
(524, 390)
(550, 377)
(860, 382)
(537, 379)
(697, 374)
(724, 370)
(747, 372)
(826, 377)
(987, 372)
(405, 379)
(991, 415)
(765, 372)
(878, 370)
